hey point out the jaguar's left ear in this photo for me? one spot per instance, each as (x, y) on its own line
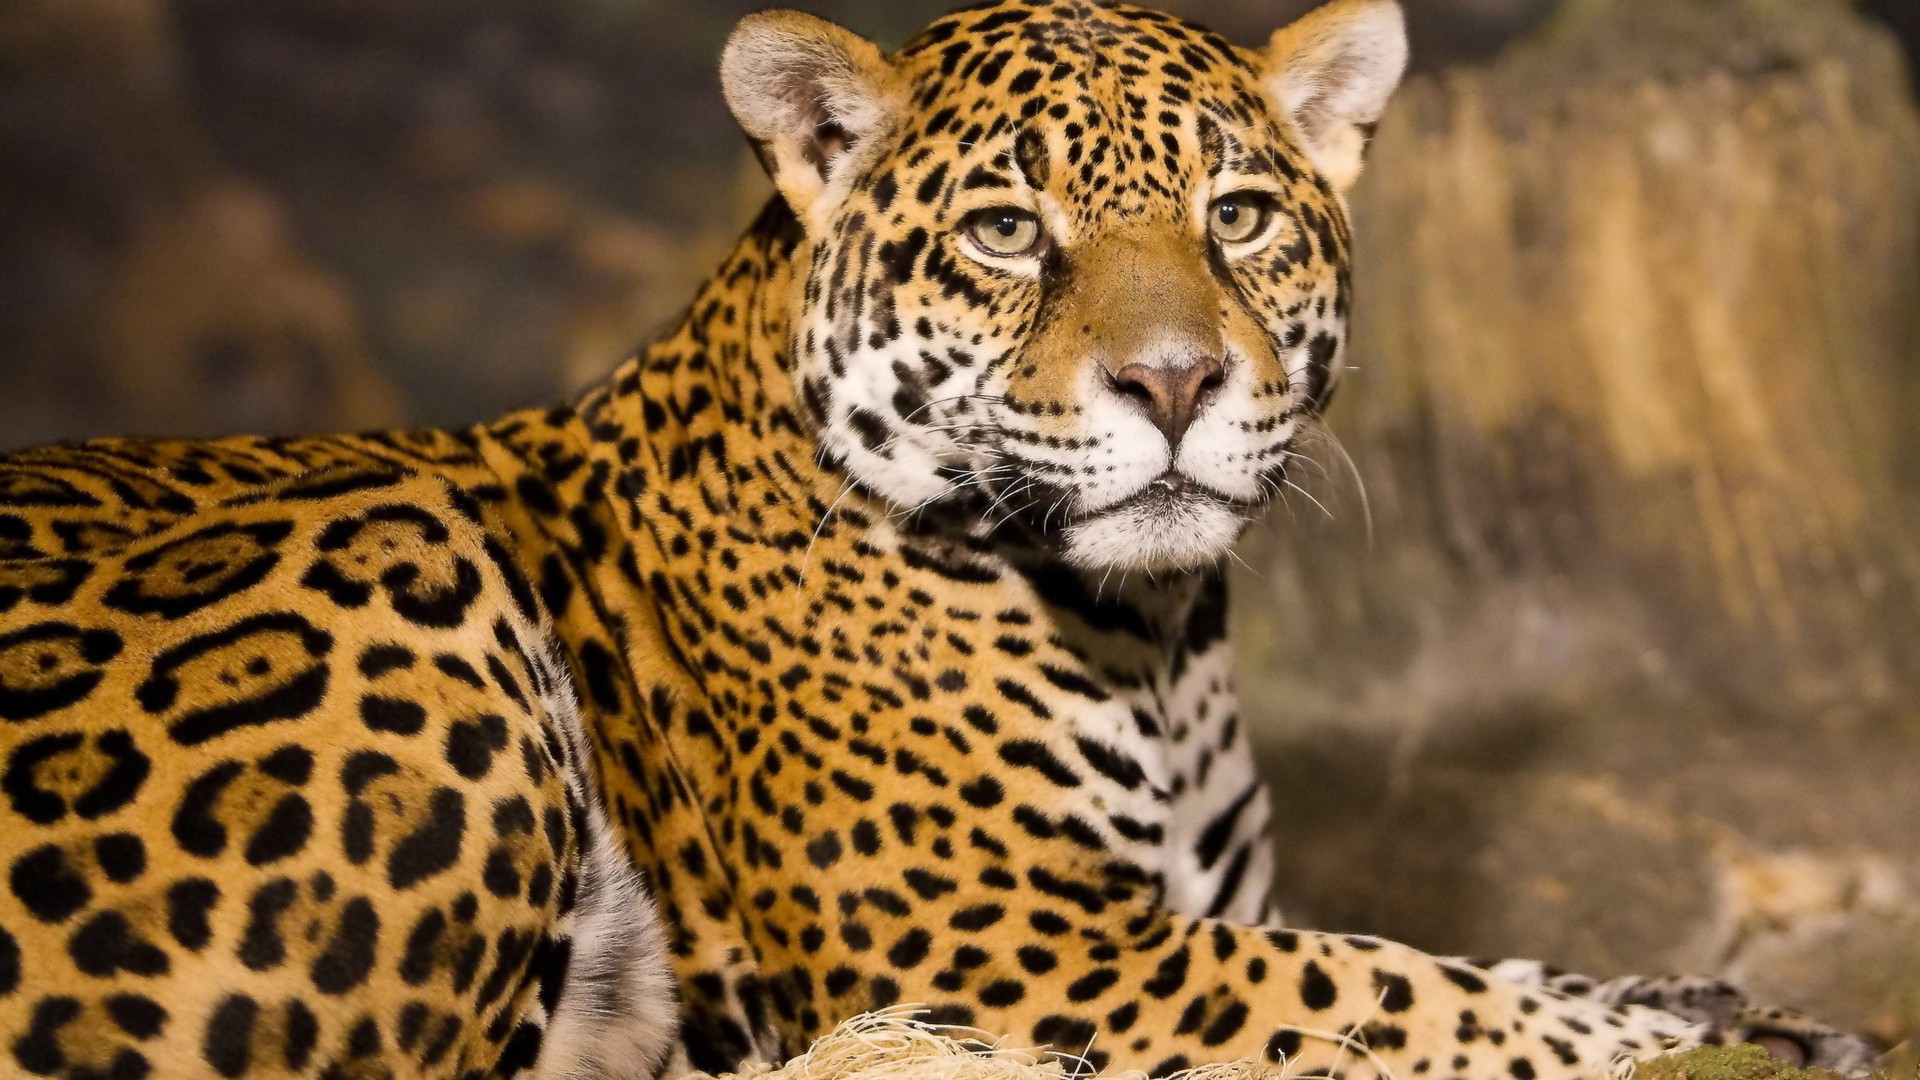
(1331, 73)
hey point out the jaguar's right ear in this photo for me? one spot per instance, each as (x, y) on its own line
(809, 94)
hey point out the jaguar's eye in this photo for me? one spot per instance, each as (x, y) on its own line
(1237, 219)
(1004, 232)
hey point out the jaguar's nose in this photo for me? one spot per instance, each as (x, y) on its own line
(1171, 395)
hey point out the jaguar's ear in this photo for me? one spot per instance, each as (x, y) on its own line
(1332, 73)
(808, 93)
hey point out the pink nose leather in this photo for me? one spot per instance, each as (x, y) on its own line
(1171, 395)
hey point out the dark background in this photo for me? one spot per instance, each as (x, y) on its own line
(223, 215)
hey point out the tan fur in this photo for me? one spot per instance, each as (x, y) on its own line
(1333, 71)
(786, 76)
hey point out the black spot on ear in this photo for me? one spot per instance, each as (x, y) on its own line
(829, 142)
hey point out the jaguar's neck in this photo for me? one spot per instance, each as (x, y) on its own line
(718, 382)
(707, 421)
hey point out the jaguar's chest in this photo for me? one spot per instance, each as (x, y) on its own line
(1209, 814)
(873, 678)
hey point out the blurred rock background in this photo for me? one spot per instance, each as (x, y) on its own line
(1624, 672)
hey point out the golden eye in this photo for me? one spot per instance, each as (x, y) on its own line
(1004, 232)
(1239, 218)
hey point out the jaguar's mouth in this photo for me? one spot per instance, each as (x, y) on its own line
(1173, 523)
(1170, 493)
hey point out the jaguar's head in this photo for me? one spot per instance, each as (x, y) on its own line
(1081, 263)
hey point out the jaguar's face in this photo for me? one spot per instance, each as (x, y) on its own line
(1081, 264)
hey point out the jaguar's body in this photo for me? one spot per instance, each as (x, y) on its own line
(328, 757)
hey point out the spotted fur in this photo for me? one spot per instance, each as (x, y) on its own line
(337, 757)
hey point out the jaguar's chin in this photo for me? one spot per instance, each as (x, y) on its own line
(1167, 526)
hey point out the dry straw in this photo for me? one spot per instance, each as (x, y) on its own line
(894, 1044)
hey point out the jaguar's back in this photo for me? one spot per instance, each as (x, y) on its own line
(293, 785)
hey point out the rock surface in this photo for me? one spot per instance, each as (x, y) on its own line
(1613, 667)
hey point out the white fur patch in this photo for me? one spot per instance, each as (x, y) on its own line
(1132, 452)
(1142, 537)
(1212, 756)
(1332, 73)
(1222, 448)
(617, 1013)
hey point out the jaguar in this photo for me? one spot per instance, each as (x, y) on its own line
(859, 643)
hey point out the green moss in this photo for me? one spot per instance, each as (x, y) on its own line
(1739, 1063)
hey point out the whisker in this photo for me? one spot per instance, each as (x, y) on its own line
(1235, 555)
(1320, 428)
(806, 559)
(1308, 495)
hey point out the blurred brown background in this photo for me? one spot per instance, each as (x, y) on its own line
(1615, 660)
(223, 215)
